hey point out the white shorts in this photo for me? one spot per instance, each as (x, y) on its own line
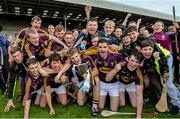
(129, 87)
(60, 90)
(109, 88)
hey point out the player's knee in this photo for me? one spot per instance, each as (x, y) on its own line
(80, 102)
(134, 105)
(64, 103)
(122, 104)
(42, 105)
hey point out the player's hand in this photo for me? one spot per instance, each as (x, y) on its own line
(57, 78)
(166, 75)
(129, 15)
(9, 105)
(139, 20)
(51, 112)
(117, 67)
(138, 48)
(156, 55)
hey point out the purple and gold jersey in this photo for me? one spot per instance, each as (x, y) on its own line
(50, 81)
(22, 35)
(37, 51)
(31, 85)
(106, 65)
(126, 76)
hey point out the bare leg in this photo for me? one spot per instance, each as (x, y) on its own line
(37, 100)
(102, 100)
(43, 101)
(139, 93)
(81, 98)
(62, 98)
(132, 97)
(26, 108)
(122, 99)
(114, 103)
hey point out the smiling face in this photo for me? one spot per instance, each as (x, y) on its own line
(133, 63)
(108, 28)
(92, 27)
(147, 51)
(158, 27)
(95, 41)
(103, 50)
(36, 24)
(76, 58)
(69, 39)
(33, 39)
(133, 35)
(118, 32)
(60, 34)
(56, 65)
(126, 41)
(33, 69)
(18, 57)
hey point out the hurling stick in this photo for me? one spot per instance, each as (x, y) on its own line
(174, 21)
(87, 11)
(174, 14)
(162, 105)
(107, 113)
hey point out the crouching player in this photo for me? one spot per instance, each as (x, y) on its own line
(33, 81)
(84, 73)
(128, 75)
(51, 85)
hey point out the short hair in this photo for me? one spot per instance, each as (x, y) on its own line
(30, 31)
(31, 60)
(75, 30)
(36, 18)
(131, 22)
(59, 28)
(124, 35)
(118, 27)
(171, 28)
(15, 49)
(92, 19)
(110, 22)
(131, 29)
(95, 35)
(54, 57)
(137, 55)
(69, 33)
(160, 22)
(50, 25)
(57, 47)
(71, 52)
(103, 40)
(147, 42)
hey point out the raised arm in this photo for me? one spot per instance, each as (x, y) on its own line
(126, 19)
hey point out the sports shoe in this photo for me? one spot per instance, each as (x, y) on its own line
(94, 111)
(174, 111)
(145, 100)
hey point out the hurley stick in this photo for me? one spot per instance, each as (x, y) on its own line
(162, 105)
(176, 40)
(106, 113)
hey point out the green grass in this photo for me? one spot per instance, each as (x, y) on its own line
(72, 111)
